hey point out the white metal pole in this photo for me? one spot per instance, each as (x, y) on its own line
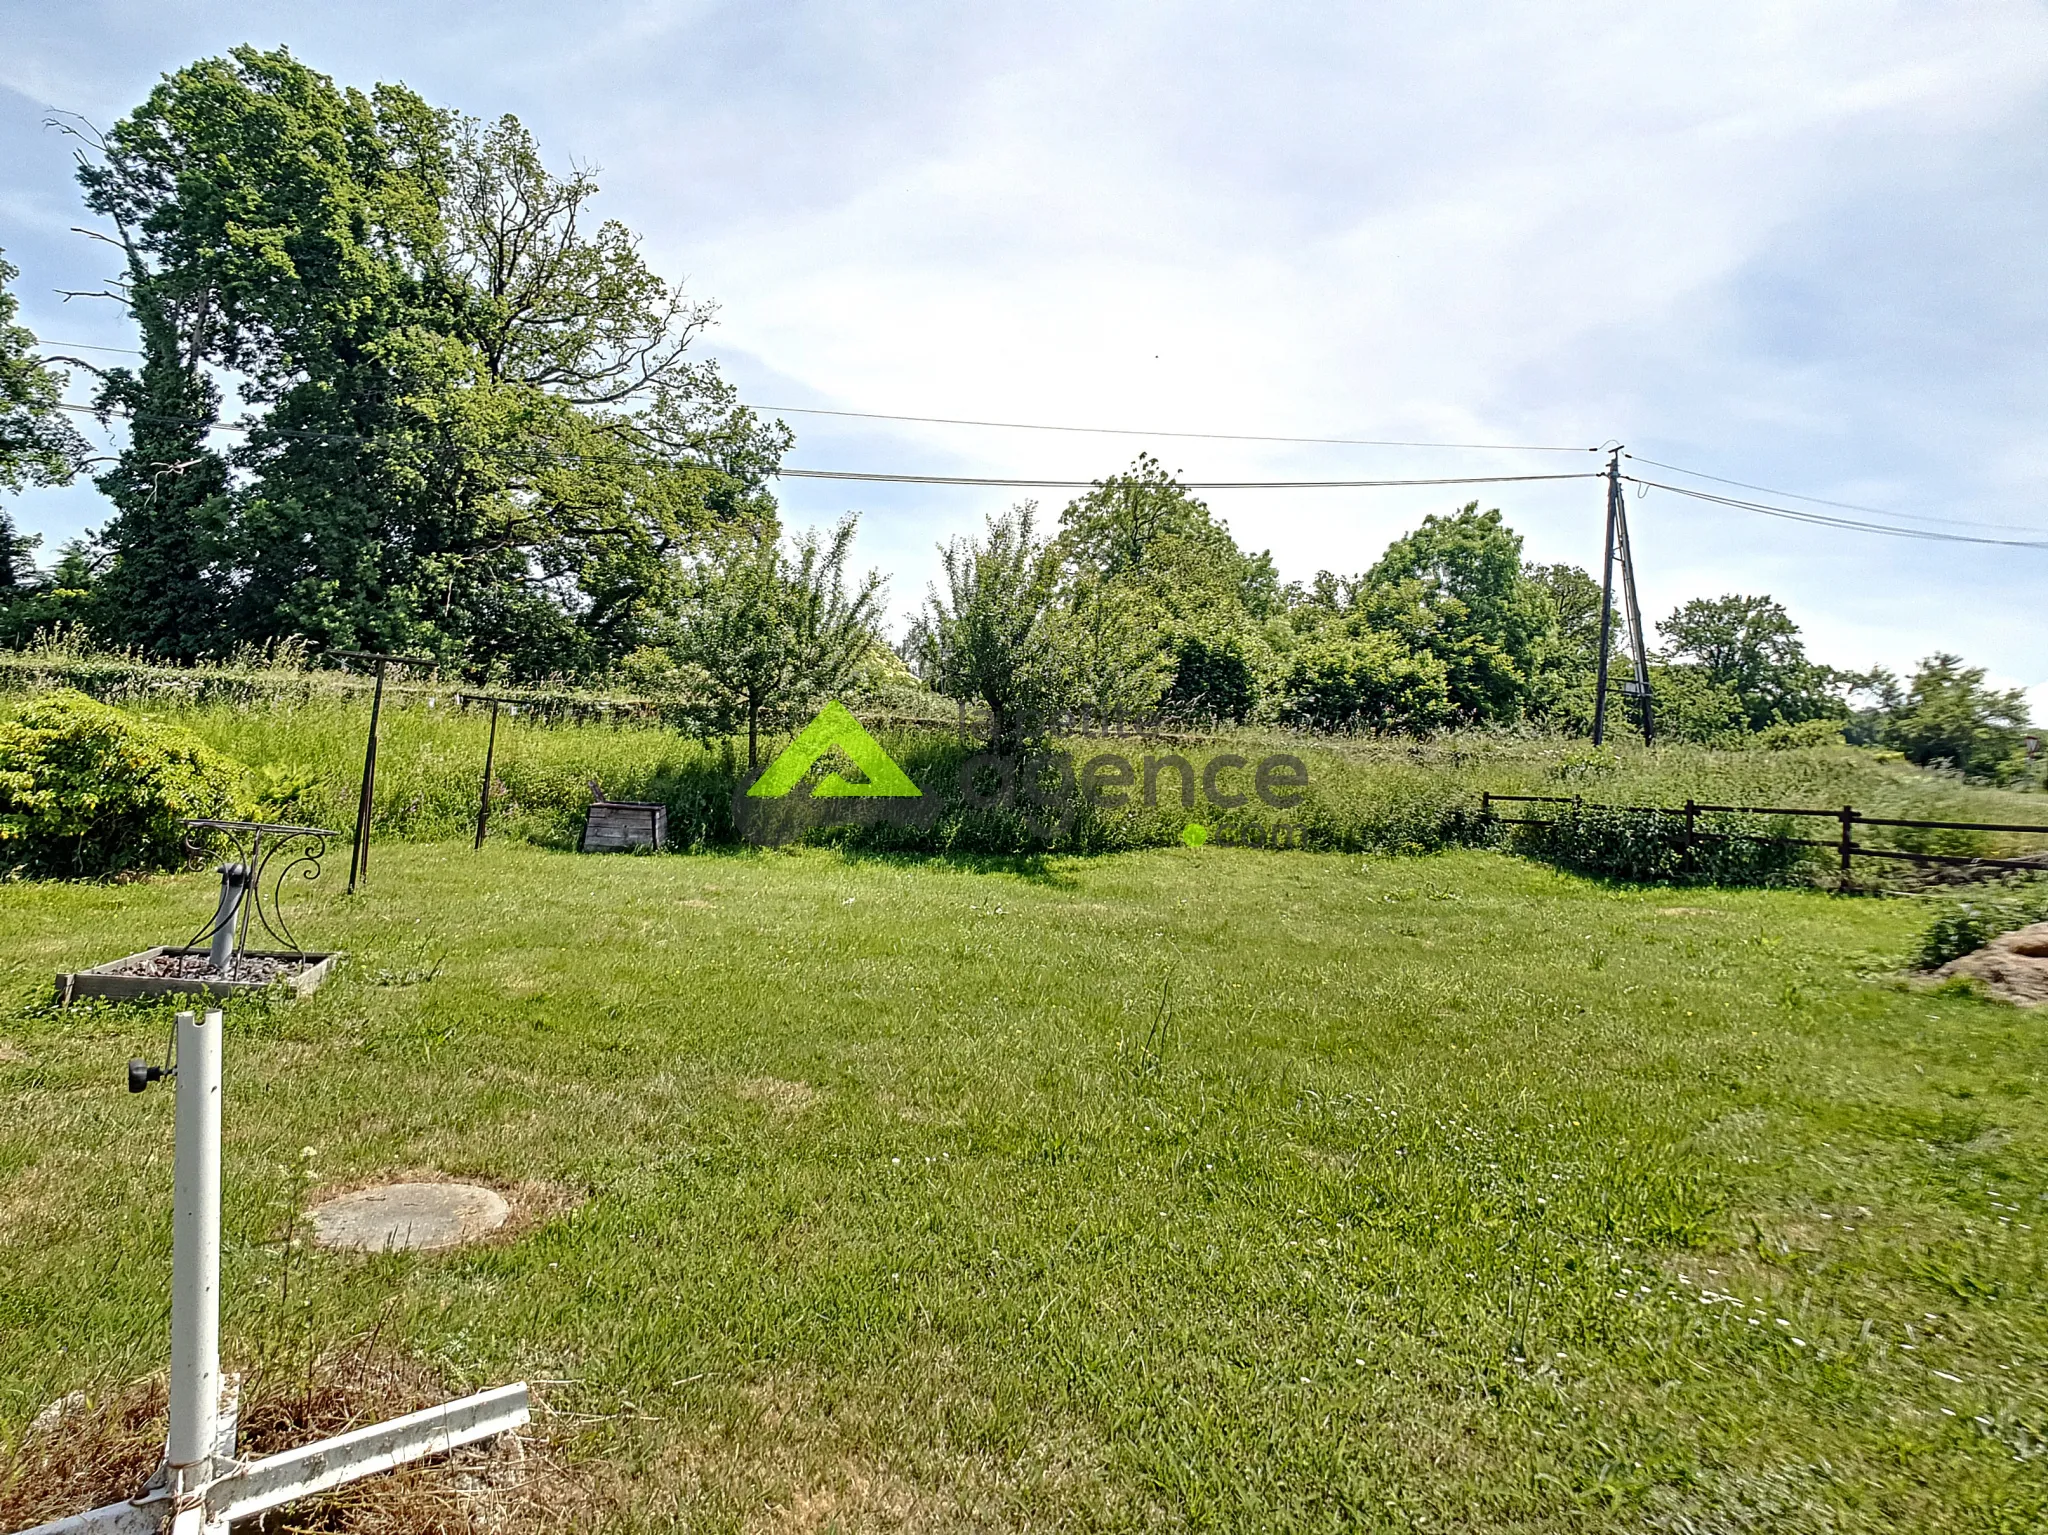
(195, 1256)
(205, 1489)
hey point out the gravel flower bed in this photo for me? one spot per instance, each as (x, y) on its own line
(261, 970)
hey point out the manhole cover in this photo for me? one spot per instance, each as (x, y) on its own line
(409, 1217)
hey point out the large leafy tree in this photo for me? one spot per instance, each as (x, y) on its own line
(478, 431)
(1945, 715)
(167, 585)
(1563, 692)
(38, 446)
(1455, 589)
(1750, 647)
(1143, 520)
(17, 559)
(1140, 539)
(624, 451)
(1105, 639)
(285, 229)
(1350, 676)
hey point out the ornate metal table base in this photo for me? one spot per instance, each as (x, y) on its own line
(217, 960)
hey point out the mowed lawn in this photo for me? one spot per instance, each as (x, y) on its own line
(1193, 1188)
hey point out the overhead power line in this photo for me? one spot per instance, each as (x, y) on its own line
(1353, 442)
(887, 477)
(1820, 519)
(1133, 431)
(1790, 514)
(961, 479)
(1845, 506)
(1100, 431)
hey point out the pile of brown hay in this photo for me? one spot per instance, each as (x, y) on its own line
(93, 1448)
(2012, 967)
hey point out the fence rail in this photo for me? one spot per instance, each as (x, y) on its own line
(1845, 845)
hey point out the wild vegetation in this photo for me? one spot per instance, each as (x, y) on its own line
(1972, 918)
(296, 738)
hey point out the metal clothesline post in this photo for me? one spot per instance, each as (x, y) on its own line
(483, 802)
(359, 854)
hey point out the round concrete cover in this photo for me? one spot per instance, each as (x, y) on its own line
(409, 1217)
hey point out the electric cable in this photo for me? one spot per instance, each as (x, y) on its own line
(961, 479)
(1132, 431)
(1101, 431)
(90, 346)
(875, 477)
(1846, 506)
(1819, 519)
(353, 439)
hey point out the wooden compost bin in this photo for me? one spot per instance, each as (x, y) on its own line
(619, 826)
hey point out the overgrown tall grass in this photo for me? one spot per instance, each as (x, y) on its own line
(301, 735)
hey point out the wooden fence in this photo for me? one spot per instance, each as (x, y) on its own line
(1843, 843)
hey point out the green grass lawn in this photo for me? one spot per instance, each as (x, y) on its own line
(1202, 1189)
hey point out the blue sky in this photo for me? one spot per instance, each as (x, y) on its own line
(1795, 244)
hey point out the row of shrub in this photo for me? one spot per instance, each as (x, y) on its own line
(1657, 846)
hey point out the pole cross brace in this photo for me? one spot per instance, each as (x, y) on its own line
(312, 1468)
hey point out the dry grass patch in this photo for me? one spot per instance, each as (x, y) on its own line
(789, 1457)
(777, 1095)
(91, 1449)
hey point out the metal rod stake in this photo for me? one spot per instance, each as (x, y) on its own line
(483, 804)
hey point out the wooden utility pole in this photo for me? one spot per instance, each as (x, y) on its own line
(1639, 687)
(1617, 543)
(1606, 596)
(359, 855)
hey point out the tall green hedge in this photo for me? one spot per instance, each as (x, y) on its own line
(87, 790)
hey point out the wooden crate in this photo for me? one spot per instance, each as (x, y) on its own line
(100, 982)
(619, 826)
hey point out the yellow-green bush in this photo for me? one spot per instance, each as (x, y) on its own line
(87, 790)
